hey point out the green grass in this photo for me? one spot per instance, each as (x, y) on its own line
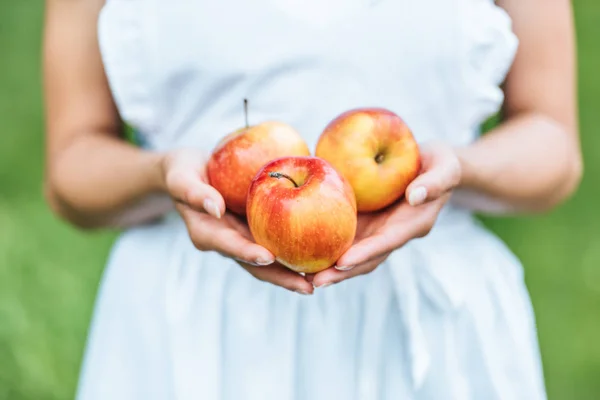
(49, 272)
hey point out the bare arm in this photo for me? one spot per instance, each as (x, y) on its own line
(531, 162)
(93, 177)
(96, 179)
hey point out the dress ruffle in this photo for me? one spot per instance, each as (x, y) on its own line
(442, 318)
(127, 62)
(488, 49)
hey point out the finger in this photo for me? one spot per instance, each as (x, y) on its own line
(186, 186)
(233, 244)
(440, 175)
(209, 234)
(332, 276)
(279, 275)
(239, 225)
(392, 236)
(309, 277)
(368, 249)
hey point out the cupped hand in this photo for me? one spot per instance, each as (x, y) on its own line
(380, 233)
(211, 228)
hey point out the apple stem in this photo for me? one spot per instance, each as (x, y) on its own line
(246, 112)
(280, 175)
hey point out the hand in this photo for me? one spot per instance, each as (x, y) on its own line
(212, 229)
(378, 234)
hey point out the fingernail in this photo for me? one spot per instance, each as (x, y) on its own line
(344, 267)
(304, 292)
(417, 196)
(323, 285)
(211, 207)
(264, 261)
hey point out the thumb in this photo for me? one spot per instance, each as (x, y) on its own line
(441, 175)
(188, 188)
(204, 197)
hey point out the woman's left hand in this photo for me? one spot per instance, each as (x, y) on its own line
(380, 233)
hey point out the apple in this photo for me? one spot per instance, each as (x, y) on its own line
(374, 149)
(303, 211)
(239, 156)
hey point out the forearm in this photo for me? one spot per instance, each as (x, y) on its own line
(99, 180)
(528, 164)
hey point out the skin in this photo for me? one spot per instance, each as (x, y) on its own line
(531, 163)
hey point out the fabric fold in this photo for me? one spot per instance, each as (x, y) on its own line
(488, 50)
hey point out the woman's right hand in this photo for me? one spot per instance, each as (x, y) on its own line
(211, 228)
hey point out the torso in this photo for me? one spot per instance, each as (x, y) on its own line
(180, 74)
(439, 319)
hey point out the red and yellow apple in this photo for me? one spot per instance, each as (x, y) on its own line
(239, 156)
(374, 149)
(303, 211)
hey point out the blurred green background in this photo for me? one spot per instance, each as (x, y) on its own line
(49, 272)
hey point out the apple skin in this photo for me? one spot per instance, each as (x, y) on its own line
(307, 227)
(240, 155)
(375, 151)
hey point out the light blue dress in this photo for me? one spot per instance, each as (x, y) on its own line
(446, 317)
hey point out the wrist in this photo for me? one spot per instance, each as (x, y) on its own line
(158, 168)
(463, 155)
